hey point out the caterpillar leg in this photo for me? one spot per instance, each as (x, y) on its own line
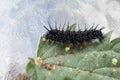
(75, 45)
(81, 47)
(84, 43)
(67, 45)
(90, 42)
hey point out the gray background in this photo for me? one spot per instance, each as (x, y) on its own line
(21, 25)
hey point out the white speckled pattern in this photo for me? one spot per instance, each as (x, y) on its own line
(21, 24)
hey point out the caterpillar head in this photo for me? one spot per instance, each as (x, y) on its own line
(99, 35)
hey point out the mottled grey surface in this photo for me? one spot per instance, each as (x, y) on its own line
(21, 24)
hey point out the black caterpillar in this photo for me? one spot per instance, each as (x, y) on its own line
(73, 37)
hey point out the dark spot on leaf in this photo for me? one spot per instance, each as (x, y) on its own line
(104, 55)
(57, 54)
(67, 78)
(91, 70)
(59, 63)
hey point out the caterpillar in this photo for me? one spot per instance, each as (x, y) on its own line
(74, 37)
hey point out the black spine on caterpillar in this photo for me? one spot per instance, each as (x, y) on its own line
(73, 37)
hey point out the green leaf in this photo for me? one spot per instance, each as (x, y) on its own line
(116, 48)
(115, 41)
(39, 75)
(104, 47)
(115, 44)
(30, 68)
(104, 72)
(92, 62)
(34, 76)
(107, 37)
(40, 46)
(71, 28)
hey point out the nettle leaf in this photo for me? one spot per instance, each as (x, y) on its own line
(107, 37)
(116, 48)
(71, 27)
(30, 68)
(40, 46)
(92, 62)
